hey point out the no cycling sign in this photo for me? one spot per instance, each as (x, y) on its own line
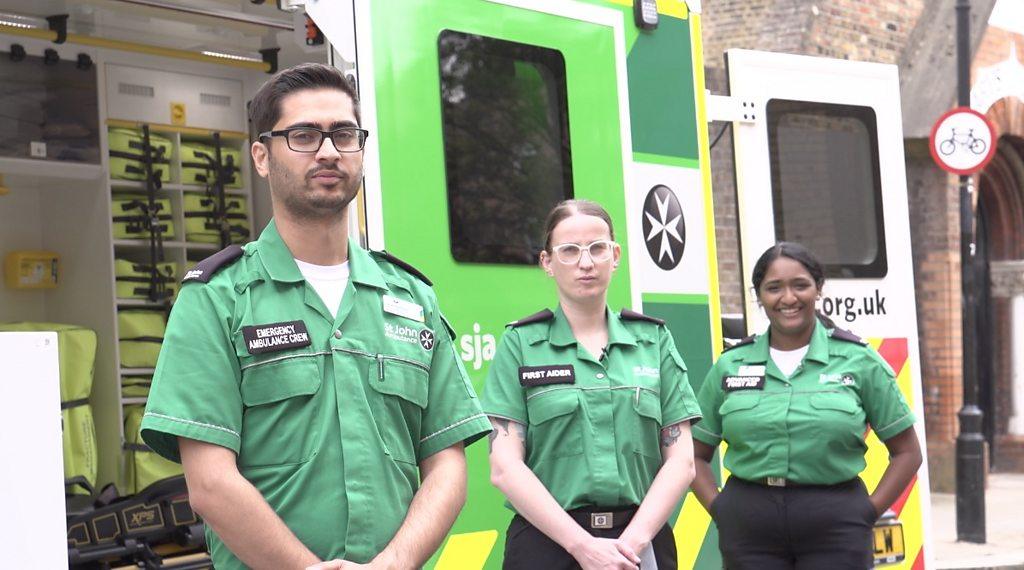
(962, 141)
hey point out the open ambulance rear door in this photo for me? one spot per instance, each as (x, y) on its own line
(819, 160)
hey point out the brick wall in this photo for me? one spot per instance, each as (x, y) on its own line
(935, 240)
(862, 30)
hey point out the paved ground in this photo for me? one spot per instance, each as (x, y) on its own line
(1004, 522)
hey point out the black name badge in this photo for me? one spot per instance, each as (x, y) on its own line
(544, 375)
(733, 383)
(275, 336)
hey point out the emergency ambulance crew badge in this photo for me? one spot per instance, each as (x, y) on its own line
(275, 336)
(734, 383)
(544, 375)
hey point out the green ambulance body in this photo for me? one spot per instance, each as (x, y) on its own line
(483, 115)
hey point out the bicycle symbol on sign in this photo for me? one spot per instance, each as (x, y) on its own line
(968, 141)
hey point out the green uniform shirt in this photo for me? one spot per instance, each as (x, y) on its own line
(330, 433)
(596, 440)
(810, 427)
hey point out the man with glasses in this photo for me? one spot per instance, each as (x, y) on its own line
(309, 387)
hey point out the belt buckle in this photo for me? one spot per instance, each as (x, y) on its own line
(601, 520)
(775, 481)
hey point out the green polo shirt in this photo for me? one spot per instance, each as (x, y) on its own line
(331, 432)
(810, 427)
(594, 439)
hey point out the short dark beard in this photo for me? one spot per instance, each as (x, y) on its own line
(295, 195)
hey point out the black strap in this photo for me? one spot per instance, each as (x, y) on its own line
(144, 226)
(137, 447)
(80, 481)
(138, 157)
(156, 339)
(167, 272)
(165, 278)
(106, 496)
(143, 206)
(74, 403)
(140, 145)
(229, 216)
(209, 166)
(141, 218)
(148, 292)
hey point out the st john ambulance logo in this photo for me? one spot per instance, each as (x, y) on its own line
(426, 339)
(664, 228)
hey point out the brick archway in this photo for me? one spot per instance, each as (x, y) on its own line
(1001, 197)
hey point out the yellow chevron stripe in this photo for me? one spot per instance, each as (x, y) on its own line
(913, 527)
(690, 529)
(877, 458)
(467, 551)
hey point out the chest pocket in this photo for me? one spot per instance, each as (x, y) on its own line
(281, 405)
(837, 422)
(556, 429)
(647, 425)
(834, 401)
(741, 415)
(401, 387)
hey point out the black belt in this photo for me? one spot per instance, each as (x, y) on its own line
(73, 403)
(781, 482)
(603, 517)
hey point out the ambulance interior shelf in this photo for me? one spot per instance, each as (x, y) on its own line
(214, 216)
(145, 157)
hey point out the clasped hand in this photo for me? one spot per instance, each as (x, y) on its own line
(606, 554)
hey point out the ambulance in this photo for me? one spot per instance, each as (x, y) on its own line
(483, 114)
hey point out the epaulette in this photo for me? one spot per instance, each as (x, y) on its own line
(537, 317)
(743, 342)
(635, 316)
(841, 334)
(204, 270)
(403, 265)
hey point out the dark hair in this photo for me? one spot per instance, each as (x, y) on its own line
(265, 107)
(799, 253)
(566, 208)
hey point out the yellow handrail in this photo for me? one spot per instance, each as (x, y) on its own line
(119, 45)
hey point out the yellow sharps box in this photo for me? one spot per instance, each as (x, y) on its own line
(31, 269)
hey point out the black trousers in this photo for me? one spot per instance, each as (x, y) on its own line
(527, 548)
(794, 528)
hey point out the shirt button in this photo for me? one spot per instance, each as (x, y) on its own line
(337, 334)
(600, 376)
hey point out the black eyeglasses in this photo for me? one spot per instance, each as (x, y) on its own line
(309, 139)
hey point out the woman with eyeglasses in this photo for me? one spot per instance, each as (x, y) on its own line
(591, 412)
(794, 405)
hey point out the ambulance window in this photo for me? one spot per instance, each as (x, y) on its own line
(826, 184)
(506, 145)
(53, 103)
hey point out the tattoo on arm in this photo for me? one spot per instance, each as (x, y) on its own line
(502, 427)
(520, 431)
(670, 435)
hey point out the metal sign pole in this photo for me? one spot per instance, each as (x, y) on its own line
(970, 443)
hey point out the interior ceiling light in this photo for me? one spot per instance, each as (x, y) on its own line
(19, 21)
(232, 56)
